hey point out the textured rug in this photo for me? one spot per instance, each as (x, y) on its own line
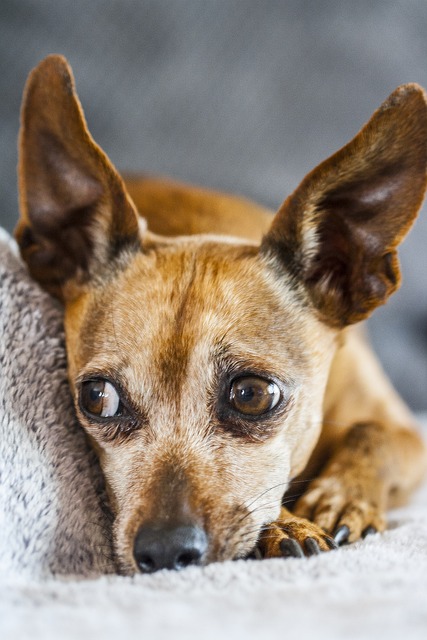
(54, 541)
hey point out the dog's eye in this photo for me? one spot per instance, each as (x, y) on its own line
(253, 396)
(99, 398)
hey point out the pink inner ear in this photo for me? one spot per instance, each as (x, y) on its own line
(373, 208)
(58, 184)
(364, 195)
(378, 193)
(355, 267)
(76, 215)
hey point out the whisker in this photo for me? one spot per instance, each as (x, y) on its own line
(289, 499)
(260, 495)
(267, 505)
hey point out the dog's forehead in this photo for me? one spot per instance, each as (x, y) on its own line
(192, 281)
(178, 299)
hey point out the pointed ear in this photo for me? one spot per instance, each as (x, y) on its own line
(76, 216)
(337, 233)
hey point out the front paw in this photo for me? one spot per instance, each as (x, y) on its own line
(293, 537)
(343, 512)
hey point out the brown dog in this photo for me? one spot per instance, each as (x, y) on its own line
(210, 371)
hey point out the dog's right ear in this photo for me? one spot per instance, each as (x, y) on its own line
(337, 234)
(76, 216)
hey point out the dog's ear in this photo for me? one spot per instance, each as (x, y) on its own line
(76, 216)
(337, 233)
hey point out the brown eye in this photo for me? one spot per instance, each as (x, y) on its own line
(99, 398)
(254, 396)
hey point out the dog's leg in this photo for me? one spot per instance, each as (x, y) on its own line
(373, 464)
(373, 456)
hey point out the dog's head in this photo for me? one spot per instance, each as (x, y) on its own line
(199, 364)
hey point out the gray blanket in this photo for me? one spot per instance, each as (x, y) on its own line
(51, 515)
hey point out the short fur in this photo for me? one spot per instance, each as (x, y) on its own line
(171, 314)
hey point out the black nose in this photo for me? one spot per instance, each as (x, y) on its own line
(159, 548)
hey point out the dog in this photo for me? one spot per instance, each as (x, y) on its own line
(215, 354)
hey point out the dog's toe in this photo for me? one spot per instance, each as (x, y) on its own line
(345, 517)
(294, 537)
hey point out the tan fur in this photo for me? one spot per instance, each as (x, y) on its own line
(170, 314)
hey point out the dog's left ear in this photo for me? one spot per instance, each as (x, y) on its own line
(337, 234)
(76, 216)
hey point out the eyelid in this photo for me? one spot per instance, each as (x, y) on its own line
(234, 366)
(93, 373)
(286, 385)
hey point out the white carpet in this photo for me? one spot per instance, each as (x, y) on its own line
(51, 522)
(373, 589)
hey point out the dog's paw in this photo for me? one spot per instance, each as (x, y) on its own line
(343, 513)
(295, 537)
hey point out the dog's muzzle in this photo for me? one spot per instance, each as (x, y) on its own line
(169, 548)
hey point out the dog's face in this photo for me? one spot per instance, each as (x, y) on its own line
(210, 407)
(199, 364)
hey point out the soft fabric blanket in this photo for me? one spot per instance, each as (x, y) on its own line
(55, 542)
(51, 520)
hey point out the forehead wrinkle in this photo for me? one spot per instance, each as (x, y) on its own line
(177, 342)
(96, 333)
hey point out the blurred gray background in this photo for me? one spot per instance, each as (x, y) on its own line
(240, 95)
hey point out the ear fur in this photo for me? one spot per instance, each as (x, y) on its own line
(76, 216)
(337, 233)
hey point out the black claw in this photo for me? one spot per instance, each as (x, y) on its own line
(368, 531)
(331, 542)
(311, 546)
(341, 535)
(291, 549)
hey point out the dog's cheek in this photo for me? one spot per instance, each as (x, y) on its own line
(249, 494)
(124, 485)
(305, 419)
(305, 426)
(116, 463)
